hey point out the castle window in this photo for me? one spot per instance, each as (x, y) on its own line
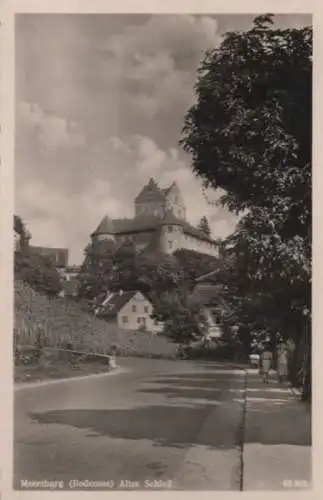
(170, 244)
(170, 229)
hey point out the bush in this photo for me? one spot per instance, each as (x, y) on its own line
(38, 272)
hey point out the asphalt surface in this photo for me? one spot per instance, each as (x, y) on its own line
(162, 425)
(158, 424)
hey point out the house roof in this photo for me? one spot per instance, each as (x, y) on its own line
(117, 301)
(207, 276)
(150, 192)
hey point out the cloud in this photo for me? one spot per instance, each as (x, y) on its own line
(103, 117)
(52, 132)
(58, 218)
(156, 62)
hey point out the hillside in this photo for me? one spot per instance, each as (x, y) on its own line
(64, 321)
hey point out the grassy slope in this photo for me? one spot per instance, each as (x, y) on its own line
(63, 321)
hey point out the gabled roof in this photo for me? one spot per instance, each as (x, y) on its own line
(150, 192)
(170, 218)
(117, 301)
(105, 227)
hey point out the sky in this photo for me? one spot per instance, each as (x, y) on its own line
(100, 104)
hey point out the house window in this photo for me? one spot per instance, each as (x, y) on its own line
(170, 244)
(170, 229)
(134, 308)
(124, 319)
(146, 309)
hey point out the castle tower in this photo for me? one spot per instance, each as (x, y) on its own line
(105, 230)
(173, 200)
(171, 233)
(150, 200)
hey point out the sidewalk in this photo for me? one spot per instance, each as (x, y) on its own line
(277, 440)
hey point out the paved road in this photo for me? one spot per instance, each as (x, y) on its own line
(159, 424)
(178, 423)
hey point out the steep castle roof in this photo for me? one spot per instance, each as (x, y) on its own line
(147, 223)
(150, 192)
(171, 219)
(106, 226)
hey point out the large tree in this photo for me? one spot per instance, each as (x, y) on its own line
(96, 270)
(183, 319)
(250, 133)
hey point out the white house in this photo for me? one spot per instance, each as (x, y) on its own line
(130, 310)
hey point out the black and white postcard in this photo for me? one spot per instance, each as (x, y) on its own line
(160, 251)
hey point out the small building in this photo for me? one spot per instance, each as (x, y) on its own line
(130, 310)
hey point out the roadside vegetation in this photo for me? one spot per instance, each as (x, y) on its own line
(250, 134)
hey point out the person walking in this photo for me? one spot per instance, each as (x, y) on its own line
(282, 362)
(266, 362)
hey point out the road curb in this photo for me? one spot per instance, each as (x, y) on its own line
(32, 385)
(242, 430)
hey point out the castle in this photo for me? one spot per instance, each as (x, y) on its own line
(159, 224)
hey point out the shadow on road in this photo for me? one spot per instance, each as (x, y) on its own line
(207, 409)
(172, 426)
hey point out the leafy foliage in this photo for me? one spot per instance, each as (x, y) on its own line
(36, 270)
(204, 226)
(183, 320)
(194, 264)
(96, 270)
(21, 229)
(250, 134)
